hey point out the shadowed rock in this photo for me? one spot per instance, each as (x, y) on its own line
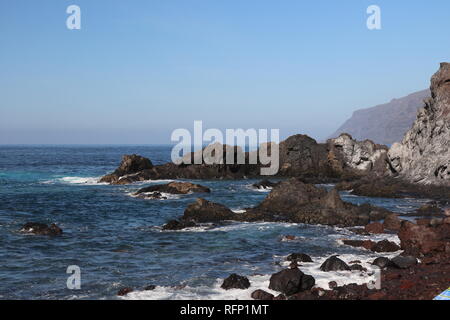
(235, 281)
(41, 229)
(334, 264)
(174, 188)
(291, 281)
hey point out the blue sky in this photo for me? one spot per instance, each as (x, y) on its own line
(139, 69)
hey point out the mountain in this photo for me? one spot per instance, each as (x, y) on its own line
(386, 123)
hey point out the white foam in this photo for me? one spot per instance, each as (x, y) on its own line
(164, 195)
(88, 181)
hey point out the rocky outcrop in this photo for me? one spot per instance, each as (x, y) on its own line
(386, 123)
(362, 156)
(235, 281)
(131, 164)
(173, 188)
(294, 201)
(291, 281)
(41, 229)
(334, 264)
(424, 154)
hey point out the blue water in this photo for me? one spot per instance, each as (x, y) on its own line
(115, 239)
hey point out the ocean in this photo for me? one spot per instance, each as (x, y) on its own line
(116, 239)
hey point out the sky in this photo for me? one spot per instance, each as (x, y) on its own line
(139, 69)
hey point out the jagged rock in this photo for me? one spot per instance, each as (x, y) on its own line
(291, 281)
(299, 257)
(41, 229)
(131, 164)
(424, 154)
(334, 264)
(262, 295)
(235, 281)
(392, 222)
(174, 188)
(363, 156)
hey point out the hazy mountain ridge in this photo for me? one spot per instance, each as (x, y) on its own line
(386, 123)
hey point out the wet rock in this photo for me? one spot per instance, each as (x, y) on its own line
(131, 164)
(428, 210)
(382, 262)
(332, 285)
(385, 246)
(262, 295)
(179, 225)
(124, 291)
(299, 257)
(392, 222)
(174, 188)
(334, 264)
(291, 281)
(366, 244)
(421, 239)
(150, 287)
(357, 267)
(206, 211)
(404, 262)
(264, 184)
(41, 229)
(375, 228)
(235, 281)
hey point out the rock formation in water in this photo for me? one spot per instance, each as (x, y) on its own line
(386, 123)
(424, 154)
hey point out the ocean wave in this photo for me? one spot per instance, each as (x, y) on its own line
(88, 181)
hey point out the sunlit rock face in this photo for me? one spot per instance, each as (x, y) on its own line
(424, 154)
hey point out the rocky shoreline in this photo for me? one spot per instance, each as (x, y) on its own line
(418, 167)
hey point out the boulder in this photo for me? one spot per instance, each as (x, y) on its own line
(262, 295)
(375, 228)
(334, 264)
(235, 281)
(392, 222)
(206, 211)
(422, 239)
(404, 262)
(299, 257)
(131, 164)
(382, 262)
(41, 229)
(385, 246)
(291, 281)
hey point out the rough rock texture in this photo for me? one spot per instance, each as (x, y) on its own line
(262, 295)
(131, 164)
(294, 201)
(174, 188)
(291, 281)
(299, 257)
(206, 211)
(424, 154)
(392, 222)
(235, 281)
(41, 229)
(374, 228)
(364, 156)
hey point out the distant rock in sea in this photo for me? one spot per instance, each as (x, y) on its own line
(386, 123)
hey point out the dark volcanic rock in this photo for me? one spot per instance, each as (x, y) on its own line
(291, 281)
(375, 228)
(178, 225)
(41, 229)
(404, 262)
(299, 257)
(392, 222)
(174, 188)
(357, 267)
(385, 246)
(334, 264)
(206, 211)
(262, 295)
(235, 281)
(124, 291)
(131, 164)
(382, 262)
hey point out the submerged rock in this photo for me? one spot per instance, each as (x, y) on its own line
(174, 188)
(235, 281)
(41, 229)
(264, 184)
